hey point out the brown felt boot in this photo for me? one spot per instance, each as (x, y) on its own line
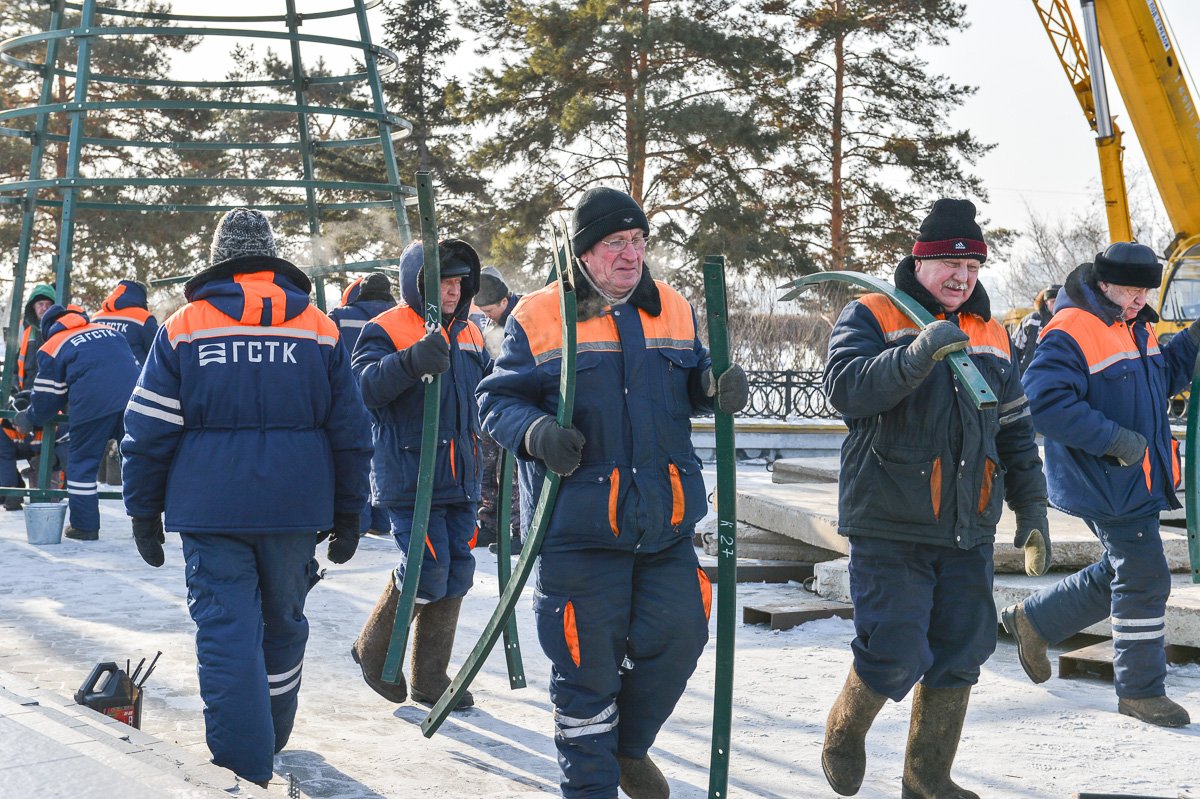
(641, 779)
(433, 640)
(1031, 647)
(371, 646)
(933, 733)
(1157, 710)
(844, 755)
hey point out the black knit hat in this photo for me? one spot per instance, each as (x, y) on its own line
(602, 211)
(950, 231)
(241, 232)
(1127, 263)
(492, 287)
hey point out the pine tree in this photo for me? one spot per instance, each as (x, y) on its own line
(653, 97)
(869, 142)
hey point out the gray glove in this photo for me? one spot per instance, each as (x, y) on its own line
(1033, 535)
(561, 448)
(22, 423)
(732, 391)
(1128, 448)
(148, 535)
(428, 356)
(933, 344)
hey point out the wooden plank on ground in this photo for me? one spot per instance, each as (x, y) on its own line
(780, 571)
(784, 617)
(1096, 661)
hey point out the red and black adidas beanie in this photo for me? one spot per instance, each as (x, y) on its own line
(950, 231)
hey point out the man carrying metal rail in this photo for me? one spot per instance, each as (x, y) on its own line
(621, 603)
(392, 355)
(924, 474)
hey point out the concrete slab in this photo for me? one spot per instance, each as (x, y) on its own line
(1183, 606)
(808, 512)
(806, 470)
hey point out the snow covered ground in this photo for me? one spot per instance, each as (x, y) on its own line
(65, 607)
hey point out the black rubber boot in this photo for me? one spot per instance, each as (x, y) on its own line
(933, 733)
(433, 640)
(641, 779)
(370, 648)
(1158, 710)
(1031, 647)
(844, 755)
(81, 535)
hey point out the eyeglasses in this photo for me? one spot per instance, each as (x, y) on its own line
(616, 246)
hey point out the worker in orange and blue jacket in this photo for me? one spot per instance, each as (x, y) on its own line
(1098, 388)
(363, 300)
(125, 311)
(13, 445)
(87, 369)
(247, 430)
(393, 353)
(622, 606)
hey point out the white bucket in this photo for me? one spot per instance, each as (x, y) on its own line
(44, 522)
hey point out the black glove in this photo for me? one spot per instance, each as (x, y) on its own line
(1033, 536)
(1193, 331)
(22, 423)
(343, 538)
(934, 343)
(148, 535)
(1128, 448)
(428, 356)
(732, 391)
(560, 447)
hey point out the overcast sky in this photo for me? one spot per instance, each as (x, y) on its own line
(1045, 156)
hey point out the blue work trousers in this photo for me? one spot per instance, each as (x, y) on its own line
(246, 594)
(448, 568)
(1130, 583)
(921, 612)
(623, 632)
(85, 450)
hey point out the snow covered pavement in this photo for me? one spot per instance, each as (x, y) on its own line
(65, 607)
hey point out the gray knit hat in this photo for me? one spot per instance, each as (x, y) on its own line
(492, 287)
(242, 231)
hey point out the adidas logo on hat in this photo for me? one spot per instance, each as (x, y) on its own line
(958, 245)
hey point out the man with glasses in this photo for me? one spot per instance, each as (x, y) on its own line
(1098, 388)
(621, 603)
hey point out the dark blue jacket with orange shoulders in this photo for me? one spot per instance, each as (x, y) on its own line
(1093, 373)
(83, 366)
(358, 308)
(125, 311)
(396, 398)
(920, 462)
(246, 418)
(637, 385)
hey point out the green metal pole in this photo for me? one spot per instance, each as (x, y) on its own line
(1191, 473)
(545, 505)
(83, 69)
(29, 209)
(718, 348)
(977, 388)
(299, 82)
(512, 644)
(431, 266)
(385, 129)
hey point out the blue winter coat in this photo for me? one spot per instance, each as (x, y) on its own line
(125, 311)
(246, 418)
(396, 398)
(1092, 374)
(356, 310)
(637, 385)
(920, 462)
(84, 366)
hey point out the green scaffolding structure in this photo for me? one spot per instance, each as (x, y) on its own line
(90, 26)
